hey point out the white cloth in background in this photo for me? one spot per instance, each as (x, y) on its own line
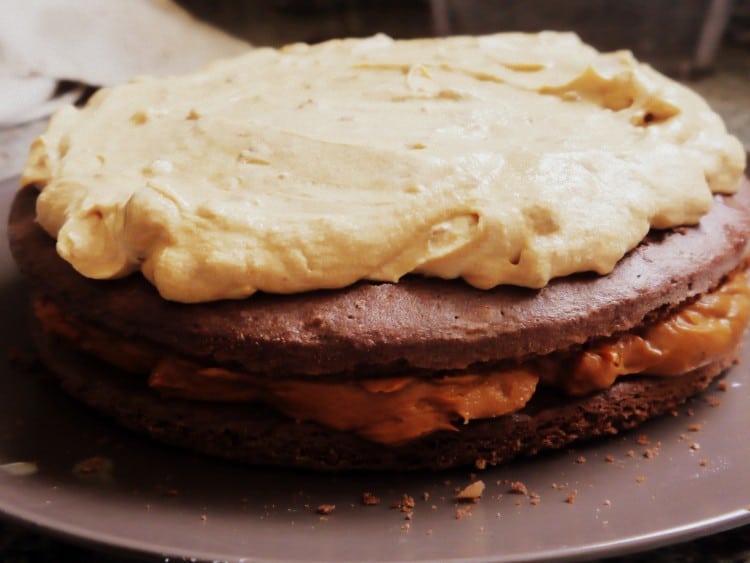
(98, 43)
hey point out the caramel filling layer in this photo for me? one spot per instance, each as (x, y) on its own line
(395, 410)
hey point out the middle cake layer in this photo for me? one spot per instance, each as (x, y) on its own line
(401, 407)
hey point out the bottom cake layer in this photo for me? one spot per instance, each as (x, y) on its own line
(257, 434)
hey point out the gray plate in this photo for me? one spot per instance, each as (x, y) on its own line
(161, 501)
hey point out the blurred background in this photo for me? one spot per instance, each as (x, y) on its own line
(679, 37)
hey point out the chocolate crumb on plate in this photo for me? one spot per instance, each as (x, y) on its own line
(96, 467)
(461, 512)
(518, 488)
(713, 401)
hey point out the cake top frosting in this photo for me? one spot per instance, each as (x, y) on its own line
(502, 159)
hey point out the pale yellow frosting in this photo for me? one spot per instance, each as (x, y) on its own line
(503, 159)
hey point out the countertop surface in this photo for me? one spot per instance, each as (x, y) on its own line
(727, 90)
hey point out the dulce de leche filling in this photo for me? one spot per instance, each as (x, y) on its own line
(395, 410)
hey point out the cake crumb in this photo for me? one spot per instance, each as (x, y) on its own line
(607, 502)
(640, 479)
(690, 412)
(609, 458)
(325, 509)
(406, 504)
(642, 440)
(580, 459)
(712, 401)
(694, 428)
(428, 532)
(95, 467)
(471, 493)
(518, 488)
(722, 386)
(649, 453)
(480, 463)
(425, 496)
(369, 499)
(534, 499)
(631, 453)
(695, 446)
(703, 462)
(461, 512)
(204, 518)
(571, 497)
(405, 527)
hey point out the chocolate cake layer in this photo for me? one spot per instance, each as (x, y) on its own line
(419, 324)
(258, 434)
